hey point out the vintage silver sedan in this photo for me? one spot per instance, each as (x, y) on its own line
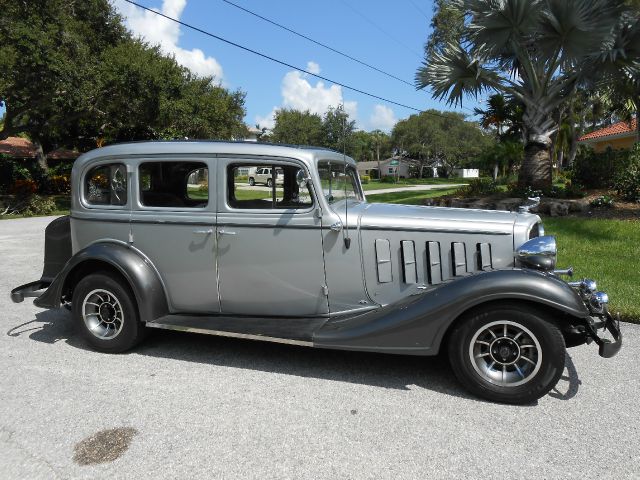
(172, 235)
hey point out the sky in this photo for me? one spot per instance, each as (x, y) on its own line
(388, 35)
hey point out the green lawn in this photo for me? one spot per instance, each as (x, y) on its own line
(607, 251)
(402, 182)
(409, 197)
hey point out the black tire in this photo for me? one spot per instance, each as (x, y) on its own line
(252, 181)
(104, 288)
(520, 382)
(269, 182)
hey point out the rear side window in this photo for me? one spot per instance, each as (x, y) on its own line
(106, 185)
(174, 184)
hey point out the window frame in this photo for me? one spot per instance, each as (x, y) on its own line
(84, 200)
(265, 163)
(360, 190)
(140, 206)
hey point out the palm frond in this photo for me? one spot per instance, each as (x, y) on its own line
(497, 24)
(453, 74)
(576, 28)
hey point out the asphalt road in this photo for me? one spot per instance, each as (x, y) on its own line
(189, 406)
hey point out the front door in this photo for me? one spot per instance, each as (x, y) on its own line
(173, 223)
(270, 259)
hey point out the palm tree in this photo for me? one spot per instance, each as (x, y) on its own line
(537, 52)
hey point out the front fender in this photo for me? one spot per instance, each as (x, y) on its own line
(417, 324)
(138, 271)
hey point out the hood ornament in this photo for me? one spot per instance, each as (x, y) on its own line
(526, 208)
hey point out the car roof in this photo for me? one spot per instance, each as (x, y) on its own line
(308, 154)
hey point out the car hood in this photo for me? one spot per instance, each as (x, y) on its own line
(383, 216)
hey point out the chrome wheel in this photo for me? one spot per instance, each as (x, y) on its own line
(505, 353)
(102, 314)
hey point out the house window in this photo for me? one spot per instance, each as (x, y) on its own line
(106, 185)
(173, 184)
(391, 170)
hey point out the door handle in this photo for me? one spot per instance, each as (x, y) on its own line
(225, 232)
(204, 232)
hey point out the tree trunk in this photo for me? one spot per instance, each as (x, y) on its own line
(573, 149)
(40, 156)
(536, 167)
(495, 171)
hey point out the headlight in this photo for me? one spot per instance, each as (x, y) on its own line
(539, 253)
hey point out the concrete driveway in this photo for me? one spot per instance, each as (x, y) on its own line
(189, 406)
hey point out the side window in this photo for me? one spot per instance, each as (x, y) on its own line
(174, 184)
(275, 187)
(106, 185)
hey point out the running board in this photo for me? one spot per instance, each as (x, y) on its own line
(292, 331)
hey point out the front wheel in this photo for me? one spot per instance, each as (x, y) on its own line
(509, 354)
(105, 313)
(252, 182)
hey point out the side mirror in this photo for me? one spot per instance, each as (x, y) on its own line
(301, 178)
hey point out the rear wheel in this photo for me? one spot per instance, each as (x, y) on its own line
(509, 354)
(104, 311)
(269, 182)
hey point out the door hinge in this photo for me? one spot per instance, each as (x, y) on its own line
(325, 290)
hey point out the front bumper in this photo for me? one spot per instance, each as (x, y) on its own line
(607, 347)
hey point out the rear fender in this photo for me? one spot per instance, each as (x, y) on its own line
(134, 267)
(417, 324)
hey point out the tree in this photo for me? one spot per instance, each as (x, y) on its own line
(439, 139)
(504, 155)
(538, 52)
(48, 52)
(297, 128)
(447, 26)
(337, 129)
(71, 74)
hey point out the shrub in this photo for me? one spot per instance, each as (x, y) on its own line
(57, 184)
(627, 181)
(23, 188)
(598, 170)
(569, 190)
(388, 179)
(38, 205)
(365, 179)
(479, 187)
(603, 201)
(28, 205)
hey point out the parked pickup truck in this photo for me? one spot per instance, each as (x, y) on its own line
(311, 262)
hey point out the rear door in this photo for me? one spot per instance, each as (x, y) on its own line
(270, 258)
(173, 222)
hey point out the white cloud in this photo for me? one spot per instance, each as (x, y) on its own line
(300, 94)
(382, 118)
(160, 31)
(313, 67)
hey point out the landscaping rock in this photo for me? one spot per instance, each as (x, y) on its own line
(509, 204)
(558, 209)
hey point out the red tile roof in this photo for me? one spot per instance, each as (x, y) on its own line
(17, 147)
(615, 129)
(22, 148)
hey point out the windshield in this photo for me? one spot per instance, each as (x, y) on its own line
(338, 184)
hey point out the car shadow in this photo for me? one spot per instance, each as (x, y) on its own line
(398, 372)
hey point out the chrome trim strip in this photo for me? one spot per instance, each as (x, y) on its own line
(219, 333)
(431, 230)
